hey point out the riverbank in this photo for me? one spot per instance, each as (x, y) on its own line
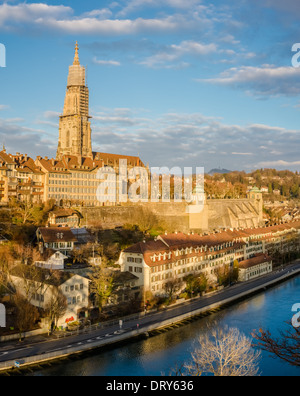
(153, 324)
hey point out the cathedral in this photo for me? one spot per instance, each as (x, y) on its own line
(71, 177)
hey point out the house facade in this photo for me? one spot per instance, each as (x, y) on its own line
(254, 267)
(40, 291)
(52, 260)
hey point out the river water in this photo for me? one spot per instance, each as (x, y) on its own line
(158, 355)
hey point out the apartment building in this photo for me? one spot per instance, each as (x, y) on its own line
(174, 256)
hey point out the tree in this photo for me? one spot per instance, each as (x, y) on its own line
(55, 308)
(195, 284)
(172, 287)
(223, 352)
(286, 347)
(145, 219)
(26, 314)
(6, 263)
(31, 278)
(102, 285)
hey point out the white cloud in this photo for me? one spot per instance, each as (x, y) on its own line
(234, 153)
(261, 81)
(61, 18)
(170, 56)
(177, 16)
(134, 5)
(180, 139)
(171, 139)
(106, 62)
(10, 15)
(108, 26)
(25, 139)
(279, 164)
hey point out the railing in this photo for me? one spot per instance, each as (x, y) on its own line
(98, 326)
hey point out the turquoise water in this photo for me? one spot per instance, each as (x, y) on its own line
(158, 355)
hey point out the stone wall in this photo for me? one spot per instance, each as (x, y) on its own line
(223, 213)
(173, 217)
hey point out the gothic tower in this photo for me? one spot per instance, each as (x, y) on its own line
(74, 124)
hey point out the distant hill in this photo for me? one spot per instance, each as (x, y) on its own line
(221, 171)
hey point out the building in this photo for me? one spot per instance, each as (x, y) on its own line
(52, 260)
(20, 178)
(40, 288)
(260, 264)
(126, 289)
(64, 218)
(72, 178)
(56, 238)
(175, 256)
(215, 214)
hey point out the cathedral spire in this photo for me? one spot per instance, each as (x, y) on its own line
(76, 58)
(74, 123)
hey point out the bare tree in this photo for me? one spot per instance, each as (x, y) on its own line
(286, 347)
(145, 219)
(6, 263)
(26, 314)
(172, 287)
(223, 352)
(56, 308)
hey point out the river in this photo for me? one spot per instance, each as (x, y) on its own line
(158, 355)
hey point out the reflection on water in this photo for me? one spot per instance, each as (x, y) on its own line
(160, 354)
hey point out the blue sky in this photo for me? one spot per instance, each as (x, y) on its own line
(178, 82)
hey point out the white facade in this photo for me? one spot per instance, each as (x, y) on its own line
(75, 290)
(255, 271)
(55, 262)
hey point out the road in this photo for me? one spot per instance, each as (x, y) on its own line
(17, 351)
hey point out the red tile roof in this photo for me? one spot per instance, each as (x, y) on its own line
(56, 234)
(252, 262)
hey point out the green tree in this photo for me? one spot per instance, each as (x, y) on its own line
(102, 285)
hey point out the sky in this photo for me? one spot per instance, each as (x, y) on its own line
(185, 83)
